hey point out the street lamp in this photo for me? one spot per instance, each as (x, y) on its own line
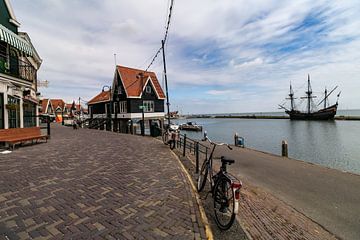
(110, 108)
(142, 107)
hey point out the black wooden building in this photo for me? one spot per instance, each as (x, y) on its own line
(132, 94)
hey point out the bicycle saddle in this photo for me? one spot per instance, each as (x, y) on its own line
(226, 160)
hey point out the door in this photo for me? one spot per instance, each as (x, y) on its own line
(14, 112)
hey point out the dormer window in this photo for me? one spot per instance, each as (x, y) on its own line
(148, 89)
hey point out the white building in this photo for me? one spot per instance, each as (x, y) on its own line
(19, 63)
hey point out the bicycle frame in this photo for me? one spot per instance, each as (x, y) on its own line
(235, 183)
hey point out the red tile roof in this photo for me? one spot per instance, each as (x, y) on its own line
(77, 106)
(68, 105)
(134, 84)
(44, 104)
(101, 97)
(57, 103)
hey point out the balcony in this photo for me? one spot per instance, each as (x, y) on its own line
(15, 67)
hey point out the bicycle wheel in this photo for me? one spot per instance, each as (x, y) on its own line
(224, 203)
(202, 176)
(165, 137)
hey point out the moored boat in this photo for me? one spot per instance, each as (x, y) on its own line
(190, 126)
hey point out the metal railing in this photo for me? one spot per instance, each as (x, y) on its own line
(200, 151)
(14, 66)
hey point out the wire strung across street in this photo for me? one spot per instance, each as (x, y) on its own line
(164, 39)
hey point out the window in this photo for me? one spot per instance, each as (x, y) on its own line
(148, 106)
(148, 89)
(120, 90)
(14, 112)
(3, 58)
(123, 107)
(29, 114)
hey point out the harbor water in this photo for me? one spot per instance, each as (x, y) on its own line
(334, 144)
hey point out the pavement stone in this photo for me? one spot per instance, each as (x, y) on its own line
(262, 215)
(95, 184)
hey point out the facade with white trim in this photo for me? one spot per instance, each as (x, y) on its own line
(133, 94)
(19, 63)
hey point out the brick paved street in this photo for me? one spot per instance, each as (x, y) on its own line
(94, 184)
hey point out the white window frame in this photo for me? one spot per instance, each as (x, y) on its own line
(148, 89)
(149, 106)
(122, 107)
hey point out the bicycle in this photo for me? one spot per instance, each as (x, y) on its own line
(224, 187)
(170, 136)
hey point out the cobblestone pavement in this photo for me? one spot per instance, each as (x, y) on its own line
(90, 184)
(263, 216)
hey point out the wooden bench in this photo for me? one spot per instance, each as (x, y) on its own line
(14, 136)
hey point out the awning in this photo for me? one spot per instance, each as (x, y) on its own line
(14, 40)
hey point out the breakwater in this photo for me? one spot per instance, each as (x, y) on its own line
(350, 118)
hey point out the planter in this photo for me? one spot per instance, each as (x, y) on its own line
(11, 106)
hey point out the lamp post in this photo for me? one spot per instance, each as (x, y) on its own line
(116, 113)
(166, 85)
(142, 107)
(62, 117)
(110, 107)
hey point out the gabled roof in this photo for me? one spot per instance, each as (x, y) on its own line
(44, 105)
(57, 103)
(11, 12)
(69, 106)
(133, 83)
(101, 97)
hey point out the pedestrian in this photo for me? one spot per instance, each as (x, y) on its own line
(75, 124)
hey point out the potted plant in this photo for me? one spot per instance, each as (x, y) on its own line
(11, 106)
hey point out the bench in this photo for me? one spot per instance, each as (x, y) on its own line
(14, 136)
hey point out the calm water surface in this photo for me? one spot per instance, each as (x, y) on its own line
(333, 144)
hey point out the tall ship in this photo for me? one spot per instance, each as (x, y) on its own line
(328, 111)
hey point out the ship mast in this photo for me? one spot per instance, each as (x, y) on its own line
(309, 96)
(325, 98)
(291, 95)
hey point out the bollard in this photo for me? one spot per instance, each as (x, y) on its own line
(197, 156)
(284, 149)
(205, 135)
(184, 145)
(236, 139)
(241, 142)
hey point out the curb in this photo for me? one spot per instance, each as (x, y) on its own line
(204, 219)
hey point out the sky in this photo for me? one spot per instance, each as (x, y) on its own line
(221, 56)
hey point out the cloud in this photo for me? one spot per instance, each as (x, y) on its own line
(219, 92)
(254, 48)
(252, 63)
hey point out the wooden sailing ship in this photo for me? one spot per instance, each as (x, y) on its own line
(326, 113)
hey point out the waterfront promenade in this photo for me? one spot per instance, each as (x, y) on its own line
(90, 184)
(330, 198)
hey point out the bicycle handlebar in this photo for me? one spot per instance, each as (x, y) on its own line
(217, 144)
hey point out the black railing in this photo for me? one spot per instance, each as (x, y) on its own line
(14, 66)
(200, 151)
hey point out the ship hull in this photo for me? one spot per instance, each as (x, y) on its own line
(323, 114)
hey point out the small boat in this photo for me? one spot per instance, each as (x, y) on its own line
(326, 113)
(190, 126)
(173, 126)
